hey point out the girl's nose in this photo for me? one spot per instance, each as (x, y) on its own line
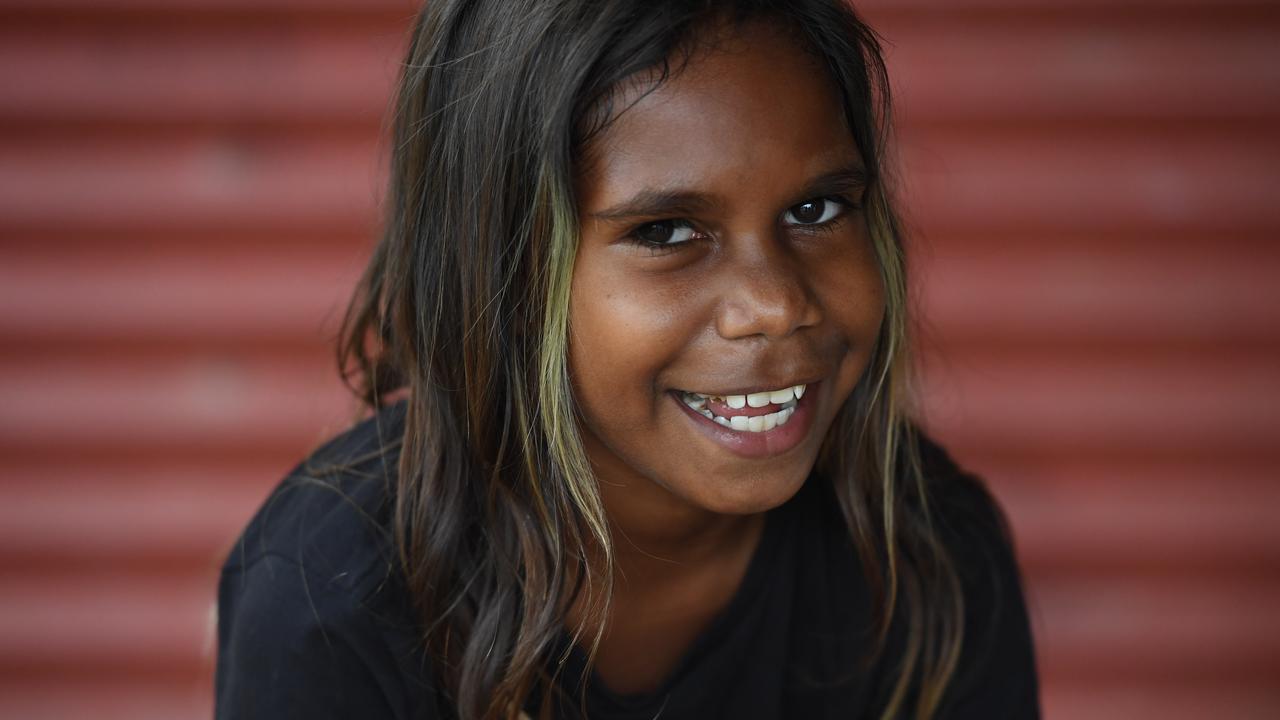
(765, 290)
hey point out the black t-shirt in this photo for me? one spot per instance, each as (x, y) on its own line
(314, 621)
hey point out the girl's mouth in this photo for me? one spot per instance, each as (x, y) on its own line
(755, 412)
(752, 425)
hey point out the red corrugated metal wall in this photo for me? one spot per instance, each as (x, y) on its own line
(187, 191)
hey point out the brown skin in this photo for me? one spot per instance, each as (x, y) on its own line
(756, 296)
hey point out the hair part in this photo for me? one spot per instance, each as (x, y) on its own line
(464, 311)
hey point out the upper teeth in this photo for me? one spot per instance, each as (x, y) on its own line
(760, 399)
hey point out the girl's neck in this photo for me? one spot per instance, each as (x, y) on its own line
(656, 533)
(676, 567)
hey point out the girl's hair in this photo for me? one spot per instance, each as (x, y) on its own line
(464, 310)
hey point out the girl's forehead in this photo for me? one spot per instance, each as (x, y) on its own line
(754, 103)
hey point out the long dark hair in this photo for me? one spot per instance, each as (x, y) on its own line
(464, 310)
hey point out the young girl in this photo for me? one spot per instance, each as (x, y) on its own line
(635, 342)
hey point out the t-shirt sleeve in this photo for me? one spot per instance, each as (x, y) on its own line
(291, 645)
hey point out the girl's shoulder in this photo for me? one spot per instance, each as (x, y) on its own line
(331, 513)
(313, 618)
(959, 501)
(996, 675)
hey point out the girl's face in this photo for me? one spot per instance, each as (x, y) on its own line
(723, 262)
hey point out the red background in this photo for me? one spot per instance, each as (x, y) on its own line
(188, 190)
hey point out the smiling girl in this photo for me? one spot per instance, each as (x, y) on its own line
(635, 341)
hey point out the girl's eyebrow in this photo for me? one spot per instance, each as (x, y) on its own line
(656, 203)
(844, 179)
(650, 202)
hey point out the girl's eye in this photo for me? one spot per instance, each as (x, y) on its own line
(664, 233)
(814, 212)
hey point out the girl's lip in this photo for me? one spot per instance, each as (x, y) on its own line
(763, 444)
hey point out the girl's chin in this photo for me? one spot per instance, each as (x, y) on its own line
(737, 494)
